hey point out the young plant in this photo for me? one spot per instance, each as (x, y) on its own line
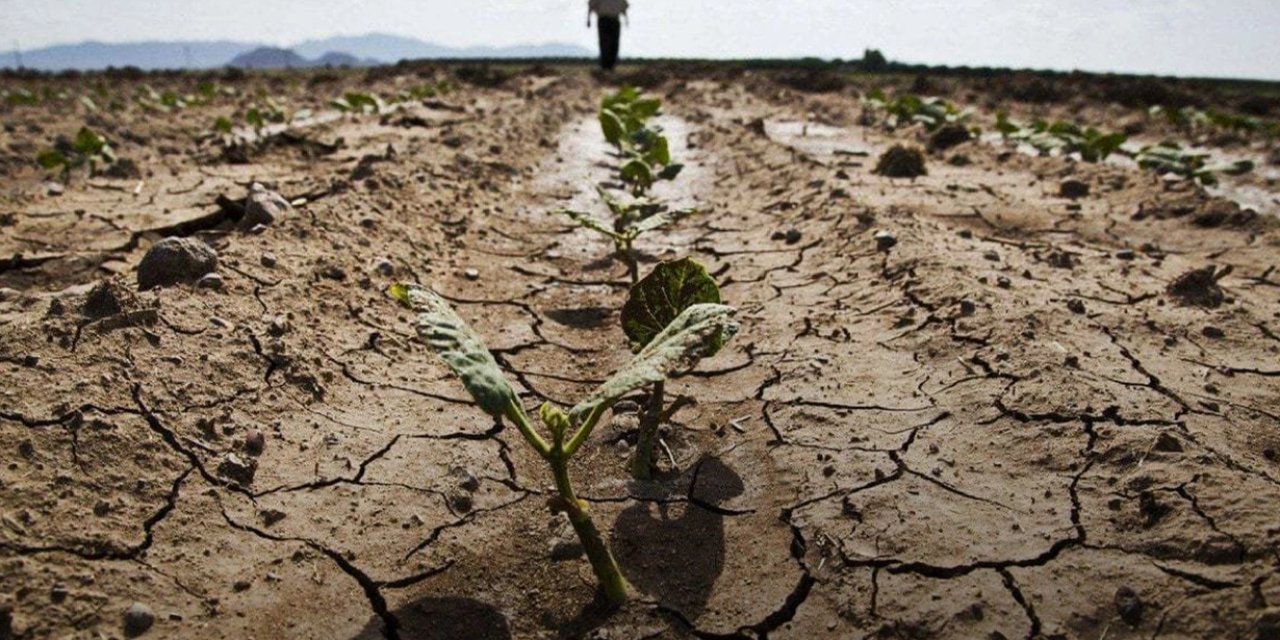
(643, 150)
(355, 102)
(654, 303)
(697, 333)
(87, 149)
(1170, 158)
(933, 113)
(631, 220)
(1063, 137)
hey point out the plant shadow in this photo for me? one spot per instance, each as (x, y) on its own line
(678, 558)
(443, 618)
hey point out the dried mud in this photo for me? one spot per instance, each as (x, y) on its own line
(1003, 426)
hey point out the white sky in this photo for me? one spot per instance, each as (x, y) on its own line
(1239, 38)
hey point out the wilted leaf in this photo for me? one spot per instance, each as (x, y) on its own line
(670, 171)
(611, 126)
(697, 333)
(51, 159)
(663, 295)
(588, 221)
(460, 347)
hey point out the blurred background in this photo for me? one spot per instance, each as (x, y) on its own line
(1223, 39)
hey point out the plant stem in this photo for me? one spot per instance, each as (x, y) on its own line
(642, 458)
(602, 562)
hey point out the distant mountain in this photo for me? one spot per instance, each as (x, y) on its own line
(391, 48)
(145, 55)
(341, 59)
(269, 58)
(374, 48)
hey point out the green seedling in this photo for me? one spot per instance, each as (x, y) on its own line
(624, 114)
(21, 98)
(697, 333)
(654, 303)
(264, 114)
(88, 149)
(1062, 137)
(354, 102)
(1192, 119)
(631, 220)
(900, 111)
(1171, 158)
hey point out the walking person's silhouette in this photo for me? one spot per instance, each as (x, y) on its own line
(609, 16)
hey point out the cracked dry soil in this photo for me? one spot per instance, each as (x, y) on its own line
(1002, 427)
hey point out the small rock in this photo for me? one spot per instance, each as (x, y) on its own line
(175, 260)
(885, 240)
(384, 267)
(54, 188)
(967, 308)
(991, 255)
(104, 300)
(268, 259)
(461, 501)
(901, 162)
(1213, 332)
(1003, 282)
(272, 516)
(949, 136)
(210, 281)
(472, 274)
(333, 272)
(263, 207)
(1129, 606)
(241, 585)
(466, 481)
(1076, 306)
(1199, 287)
(102, 508)
(1126, 254)
(138, 618)
(254, 442)
(792, 236)
(242, 472)
(1073, 189)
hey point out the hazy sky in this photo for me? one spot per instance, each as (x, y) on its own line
(1239, 38)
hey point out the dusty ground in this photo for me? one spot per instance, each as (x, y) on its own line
(1002, 427)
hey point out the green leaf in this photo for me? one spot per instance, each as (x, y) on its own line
(645, 109)
(465, 353)
(88, 143)
(638, 173)
(589, 222)
(670, 171)
(222, 125)
(254, 118)
(656, 220)
(611, 126)
(51, 159)
(659, 298)
(697, 333)
(660, 152)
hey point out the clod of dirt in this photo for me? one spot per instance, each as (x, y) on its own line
(263, 207)
(210, 281)
(272, 516)
(949, 136)
(384, 267)
(1199, 287)
(1073, 189)
(1213, 333)
(790, 236)
(175, 260)
(237, 469)
(138, 619)
(1167, 443)
(1129, 606)
(901, 162)
(885, 240)
(466, 481)
(106, 299)
(254, 442)
(959, 160)
(268, 259)
(1076, 306)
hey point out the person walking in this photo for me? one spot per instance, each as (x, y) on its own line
(609, 14)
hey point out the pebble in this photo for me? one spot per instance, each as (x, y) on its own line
(211, 281)
(466, 481)
(268, 259)
(175, 260)
(1073, 189)
(254, 442)
(472, 274)
(54, 188)
(1129, 606)
(885, 240)
(263, 207)
(1076, 306)
(138, 618)
(385, 267)
(237, 469)
(1213, 332)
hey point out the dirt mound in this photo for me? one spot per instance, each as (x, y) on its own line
(1199, 287)
(901, 162)
(175, 261)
